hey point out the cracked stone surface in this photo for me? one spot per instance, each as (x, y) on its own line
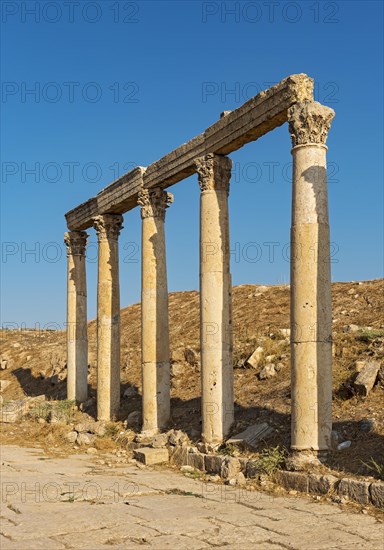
(78, 502)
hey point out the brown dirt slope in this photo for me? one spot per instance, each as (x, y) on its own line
(36, 364)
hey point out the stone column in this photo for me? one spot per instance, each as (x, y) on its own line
(214, 172)
(311, 308)
(77, 336)
(154, 311)
(108, 228)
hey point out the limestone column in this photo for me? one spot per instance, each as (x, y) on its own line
(77, 336)
(311, 308)
(108, 228)
(154, 311)
(214, 172)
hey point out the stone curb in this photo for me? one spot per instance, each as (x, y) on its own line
(360, 491)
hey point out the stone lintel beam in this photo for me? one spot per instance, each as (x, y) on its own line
(117, 198)
(260, 114)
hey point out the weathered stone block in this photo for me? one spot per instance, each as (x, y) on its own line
(366, 378)
(196, 460)
(376, 490)
(355, 490)
(252, 469)
(230, 467)
(213, 464)
(251, 436)
(180, 456)
(293, 480)
(149, 455)
(13, 411)
(254, 360)
(321, 484)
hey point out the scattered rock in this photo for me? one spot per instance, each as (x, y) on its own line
(270, 358)
(83, 427)
(99, 429)
(192, 357)
(92, 451)
(71, 437)
(366, 378)
(351, 328)
(252, 435)
(85, 439)
(367, 425)
(254, 360)
(207, 447)
(187, 469)
(344, 445)
(4, 385)
(268, 371)
(286, 332)
(159, 440)
(54, 380)
(334, 439)
(130, 392)
(239, 479)
(133, 419)
(3, 364)
(177, 437)
(177, 369)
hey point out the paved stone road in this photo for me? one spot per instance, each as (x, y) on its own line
(74, 502)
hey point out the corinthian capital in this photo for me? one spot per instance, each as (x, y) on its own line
(108, 226)
(213, 172)
(309, 122)
(75, 241)
(153, 202)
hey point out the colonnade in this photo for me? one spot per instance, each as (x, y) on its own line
(311, 341)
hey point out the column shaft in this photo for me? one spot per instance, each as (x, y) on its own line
(154, 312)
(311, 307)
(77, 337)
(215, 298)
(108, 227)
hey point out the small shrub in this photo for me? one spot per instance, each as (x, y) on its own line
(271, 459)
(368, 335)
(376, 468)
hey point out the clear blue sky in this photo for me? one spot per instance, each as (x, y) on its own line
(90, 89)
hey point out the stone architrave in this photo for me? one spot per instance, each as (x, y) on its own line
(311, 310)
(77, 335)
(214, 172)
(154, 311)
(108, 227)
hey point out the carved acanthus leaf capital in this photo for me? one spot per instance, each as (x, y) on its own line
(214, 172)
(76, 242)
(108, 226)
(309, 122)
(154, 202)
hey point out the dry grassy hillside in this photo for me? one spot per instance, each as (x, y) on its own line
(36, 363)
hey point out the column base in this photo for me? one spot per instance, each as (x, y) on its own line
(304, 459)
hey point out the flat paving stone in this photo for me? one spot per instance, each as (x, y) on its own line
(76, 502)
